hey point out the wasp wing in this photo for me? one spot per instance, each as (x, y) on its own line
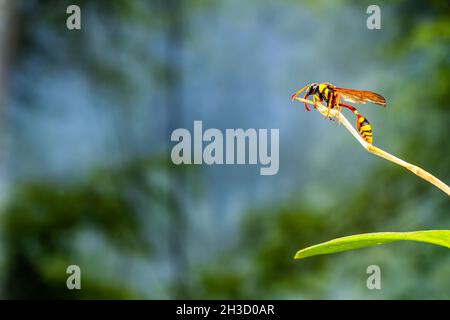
(361, 96)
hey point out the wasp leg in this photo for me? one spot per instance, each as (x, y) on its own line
(306, 105)
(329, 106)
(362, 124)
(338, 103)
(315, 100)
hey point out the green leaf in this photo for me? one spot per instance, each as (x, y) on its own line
(437, 237)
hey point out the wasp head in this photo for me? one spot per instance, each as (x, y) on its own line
(312, 89)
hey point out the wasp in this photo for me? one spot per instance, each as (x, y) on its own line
(332, 96)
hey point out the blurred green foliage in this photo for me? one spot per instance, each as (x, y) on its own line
(42, 220)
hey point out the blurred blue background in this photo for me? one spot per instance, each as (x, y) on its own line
(85, 170)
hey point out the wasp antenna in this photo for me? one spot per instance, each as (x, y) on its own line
(298, 92)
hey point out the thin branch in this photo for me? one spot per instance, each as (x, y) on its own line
(377, 151)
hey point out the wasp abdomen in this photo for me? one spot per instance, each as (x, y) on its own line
(364, 128)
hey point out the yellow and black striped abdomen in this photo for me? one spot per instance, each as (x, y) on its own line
(364, 128)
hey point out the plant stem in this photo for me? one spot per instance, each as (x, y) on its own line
(377, 151)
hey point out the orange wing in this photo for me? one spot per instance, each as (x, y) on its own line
(361, 96)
